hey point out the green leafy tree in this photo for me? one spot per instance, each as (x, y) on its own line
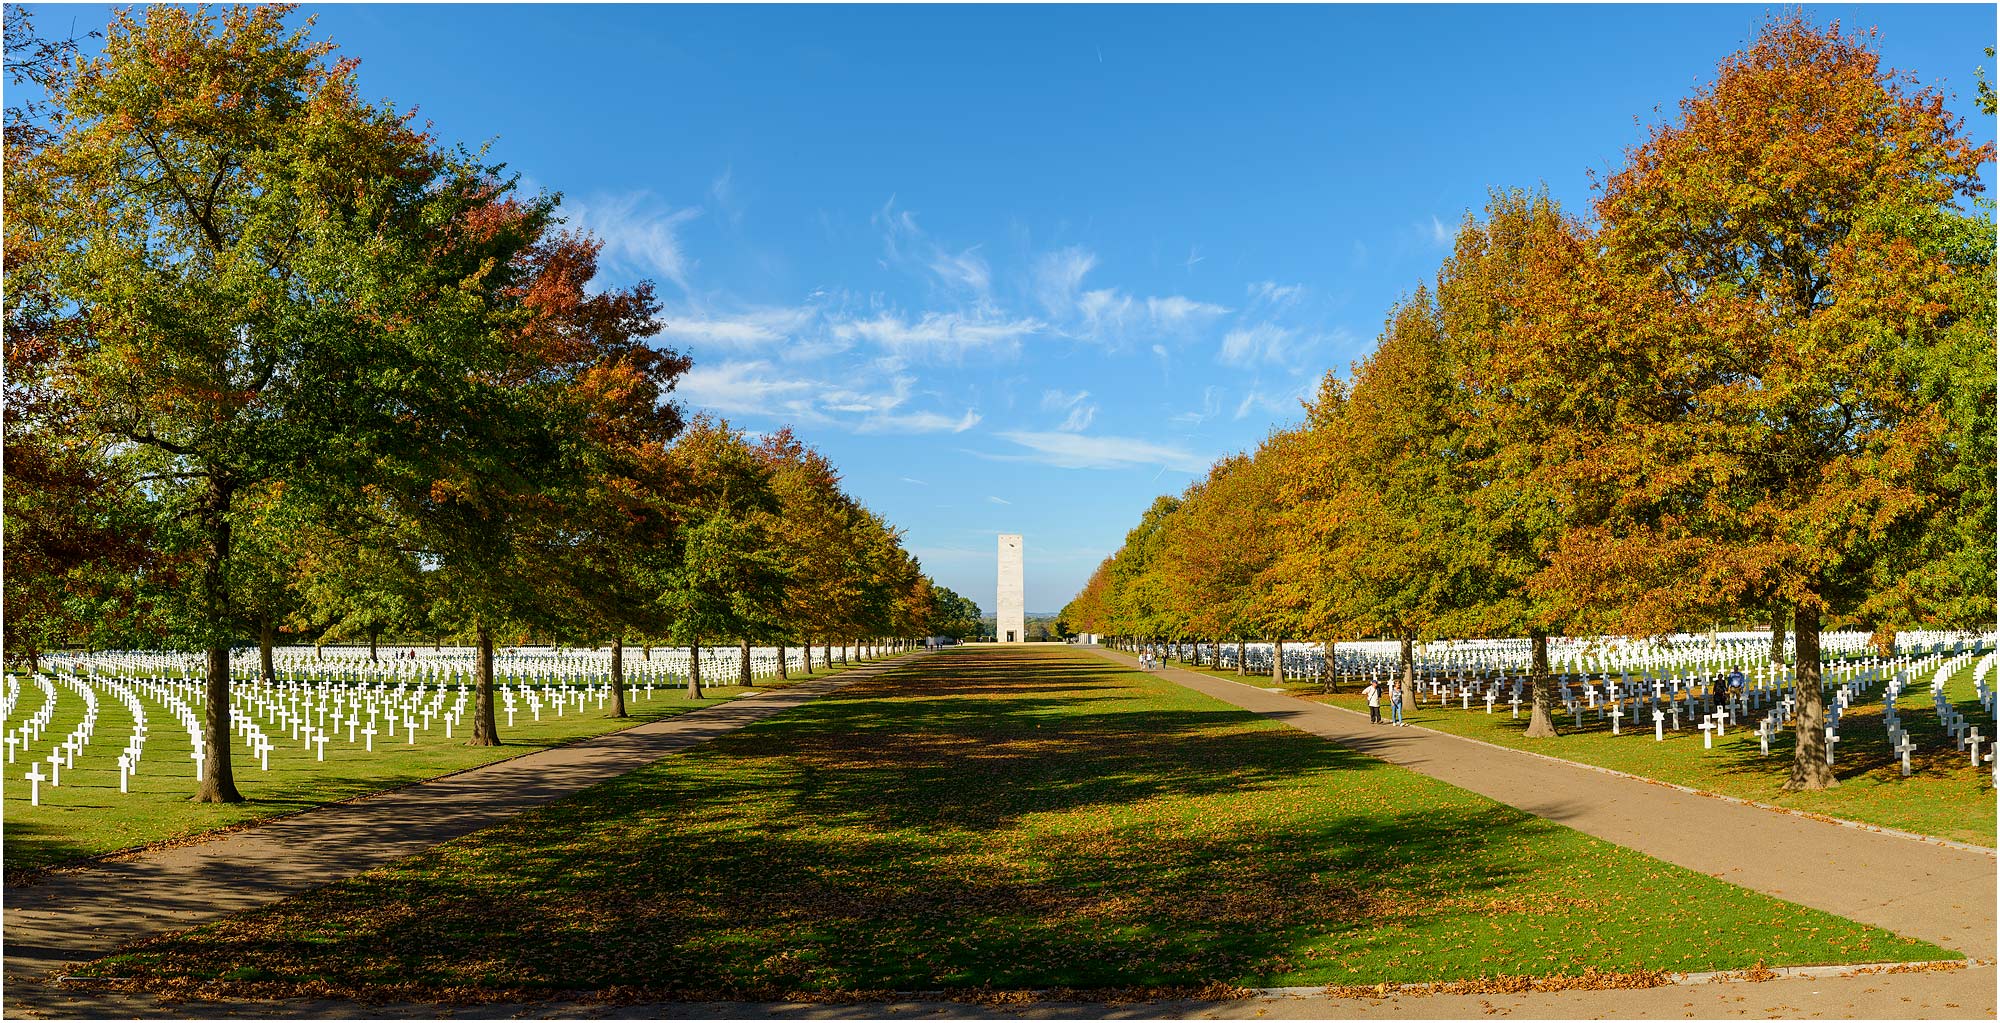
(953, 614)
(233, 231)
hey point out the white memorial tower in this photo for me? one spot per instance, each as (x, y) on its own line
(1010, 618)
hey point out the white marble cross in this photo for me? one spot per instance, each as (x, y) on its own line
(1707, 727)
(1831, 738)
(35, 780)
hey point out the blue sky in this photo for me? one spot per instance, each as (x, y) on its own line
(1024, 269)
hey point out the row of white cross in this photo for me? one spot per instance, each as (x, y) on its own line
(1664, 702)
(309, 711)
(663, 665)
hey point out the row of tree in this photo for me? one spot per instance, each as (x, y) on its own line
(1758, 383)
(278, 361)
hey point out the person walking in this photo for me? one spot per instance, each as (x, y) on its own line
(1396, 705)
(1374, 695)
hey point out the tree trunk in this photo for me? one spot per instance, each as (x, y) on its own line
(694, 670)
(485, 727)
(1541, 687)
(783, 672)
(1332, 680)
(1409, 652)
(1278, 662)
(265, 641)
(1778, 632)
(806, 658)
(646, 651)
(1810, 771)
(843, 652)
(1240, 668)
(218, 782)
(372, 635)
(743, 669)
(618, 676)
(826, 654)
(218, 779)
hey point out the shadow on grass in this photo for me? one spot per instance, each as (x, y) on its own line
(1004, 820)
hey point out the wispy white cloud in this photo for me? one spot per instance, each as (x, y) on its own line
(722, 193)
(751, 329)
(967, 269)
(937, 332)
(1082, 451)
(915, 482)
(638, 230)
(1211, 406)
(905, 245)
(756, 387)
(1439, 233)
(1180, 313)
(1271, 295)
(744, 387)
(998, 500)
(1077, 409)
(846, 398)
(1058, 277)
(1282, 402)
(917, 422)
(1258, 343)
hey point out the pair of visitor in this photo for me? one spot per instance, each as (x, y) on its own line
(1374, 695)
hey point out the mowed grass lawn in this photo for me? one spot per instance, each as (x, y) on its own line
(1003, 818)
(87, 816)
(1945, 795)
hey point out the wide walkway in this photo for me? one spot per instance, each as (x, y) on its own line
(73, 916)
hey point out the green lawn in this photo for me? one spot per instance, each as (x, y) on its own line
(1945, 796)
(1001, 818)
(87, 815)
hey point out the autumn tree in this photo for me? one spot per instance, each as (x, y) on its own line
(1139, 605)
(1388, 524)
(1276, 608)
(1487, 300)
(1740, 374)
(812, 540)
(725, 579)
